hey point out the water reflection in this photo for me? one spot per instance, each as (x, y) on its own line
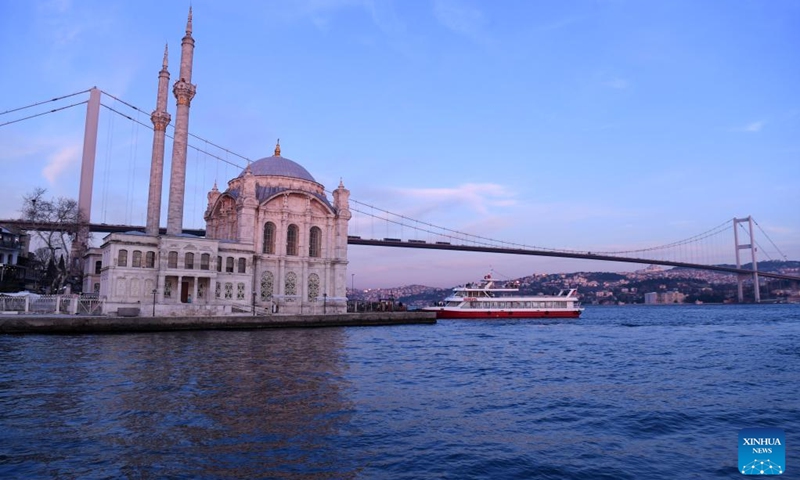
(208, 404)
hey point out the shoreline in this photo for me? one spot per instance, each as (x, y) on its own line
(78, 324)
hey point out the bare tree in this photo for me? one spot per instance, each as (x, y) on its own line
(57, 225)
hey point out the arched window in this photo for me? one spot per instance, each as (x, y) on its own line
(188, 261)
(137, 259)
(242, 265)
(291, 239)
(150, 259)
(291, 284)
(315, 242)
(98, 266)
(267, 286)
(219, 264)
(269, 238)
(205, 259)
(122, 259)
(172, 260)
(313, 286)
(229, 264)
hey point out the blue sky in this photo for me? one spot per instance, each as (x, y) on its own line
(587, 125)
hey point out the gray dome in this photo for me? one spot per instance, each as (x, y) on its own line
(279, 166)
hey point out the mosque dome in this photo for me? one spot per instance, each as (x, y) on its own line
(277, 165)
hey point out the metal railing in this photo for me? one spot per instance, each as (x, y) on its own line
(53, 304)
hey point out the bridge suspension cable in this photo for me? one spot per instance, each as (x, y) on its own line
(680, 249)
(770, 241)
(43, 102)
(172, 138)
(173, 127)
(446, 232)
(387, 216)
(43, 113)
(701, 236)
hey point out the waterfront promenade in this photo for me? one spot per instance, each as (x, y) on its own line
(71, 324)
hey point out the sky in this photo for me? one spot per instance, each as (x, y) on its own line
(598, 125)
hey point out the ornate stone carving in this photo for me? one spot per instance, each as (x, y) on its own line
(184, 92)
(160, 120)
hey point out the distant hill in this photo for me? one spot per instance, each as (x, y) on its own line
(772, 266)
(612, 287)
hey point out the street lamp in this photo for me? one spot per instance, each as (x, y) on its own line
(154, 301)
(324, 303)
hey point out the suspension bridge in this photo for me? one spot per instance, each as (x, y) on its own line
(700, 252)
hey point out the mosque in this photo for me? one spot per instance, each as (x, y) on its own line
(274, 241)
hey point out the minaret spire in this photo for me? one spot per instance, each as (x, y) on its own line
(184, 92)
(160, 119)
(166, 52)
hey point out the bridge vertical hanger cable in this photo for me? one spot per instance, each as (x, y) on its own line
(130, 201)
(205, 166)
(216, 173)
(770, 241)
(192, 211)
(702, 251)
(107, 166)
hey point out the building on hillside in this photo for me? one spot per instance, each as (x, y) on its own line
(13, 245)
(653, 298)
(274, 241)
(13, 258)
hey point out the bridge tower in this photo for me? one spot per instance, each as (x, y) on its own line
(81, 242)
(751, 246)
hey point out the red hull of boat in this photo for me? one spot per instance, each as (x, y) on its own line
(450, 314)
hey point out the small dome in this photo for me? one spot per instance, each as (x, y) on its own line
(278, 166)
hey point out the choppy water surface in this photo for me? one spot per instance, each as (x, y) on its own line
(624, 392)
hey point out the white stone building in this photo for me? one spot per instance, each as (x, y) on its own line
(273, 239)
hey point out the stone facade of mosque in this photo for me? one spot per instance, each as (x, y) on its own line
(274, 241)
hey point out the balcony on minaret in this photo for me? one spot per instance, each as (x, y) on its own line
(184, 92)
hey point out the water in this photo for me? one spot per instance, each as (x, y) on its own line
(624, 392)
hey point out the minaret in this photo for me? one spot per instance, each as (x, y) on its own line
(341, 202)
(184, 92)
(160, 119)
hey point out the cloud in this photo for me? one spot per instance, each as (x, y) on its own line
(478, 197)
(459, 17)
(59, 162)
(752, 127)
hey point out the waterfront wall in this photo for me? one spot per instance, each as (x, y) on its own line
(95, 324)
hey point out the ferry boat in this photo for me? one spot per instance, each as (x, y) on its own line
(489, 299)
